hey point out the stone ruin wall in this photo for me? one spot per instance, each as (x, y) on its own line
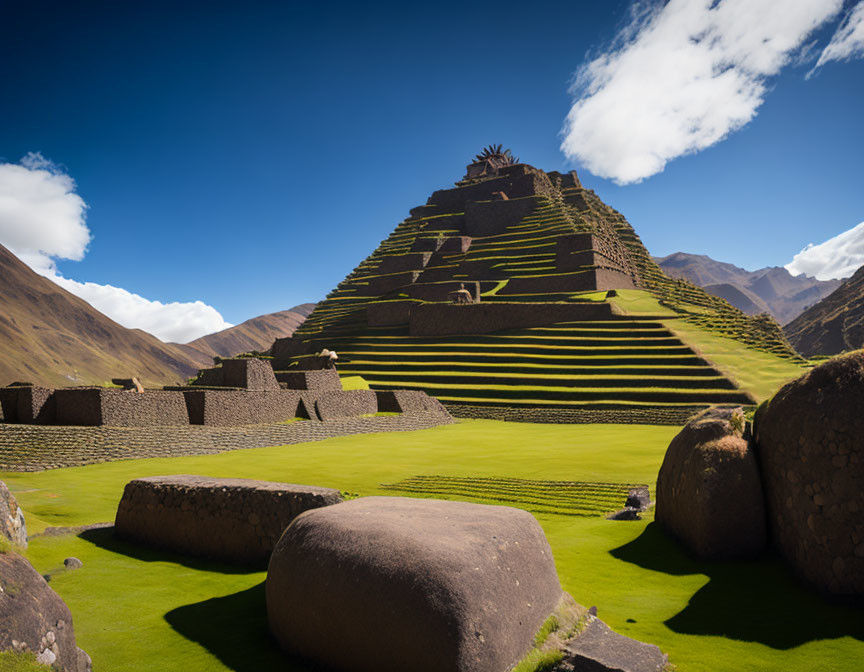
(230, 519)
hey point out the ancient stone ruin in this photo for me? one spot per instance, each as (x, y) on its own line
(234, 519)
(513, 272)
(238, 391)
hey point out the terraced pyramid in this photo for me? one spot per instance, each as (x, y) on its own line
(503, 297)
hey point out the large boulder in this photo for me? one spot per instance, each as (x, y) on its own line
(810, 445)
(232, 519)
(709, 494)
(411, 584)
(34, 618)
(11, 518)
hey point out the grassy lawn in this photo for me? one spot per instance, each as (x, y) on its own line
(143, 610)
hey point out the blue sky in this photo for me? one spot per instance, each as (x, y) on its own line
(249, 155)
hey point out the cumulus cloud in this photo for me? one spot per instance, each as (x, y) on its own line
(837, 257)
(177, 322)
(680, 77)
(848, 41)
(42, 219)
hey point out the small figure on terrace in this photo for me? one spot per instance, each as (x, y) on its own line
(328, 359)
(461, 295)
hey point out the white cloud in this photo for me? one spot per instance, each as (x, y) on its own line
(848, 42)
(176, 322)
(42, 218)
(837, 257)
(679, 77)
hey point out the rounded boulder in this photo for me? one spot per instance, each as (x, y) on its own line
(388, 584)
(709, 494)
(810, 443)
(35, 618)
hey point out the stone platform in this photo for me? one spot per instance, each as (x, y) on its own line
(40, 447)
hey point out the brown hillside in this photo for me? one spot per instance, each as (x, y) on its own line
(833, 325)
(772, 289)
(257, 333)
(51, 337)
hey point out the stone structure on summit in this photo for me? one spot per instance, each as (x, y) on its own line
(534, 259)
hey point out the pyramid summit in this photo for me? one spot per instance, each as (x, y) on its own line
(518, 288)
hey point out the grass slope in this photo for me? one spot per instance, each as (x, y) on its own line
(756, 371)
(142, 610)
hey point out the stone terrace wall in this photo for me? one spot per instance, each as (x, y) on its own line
(120, 408)
(243, 407)
(35, 404)
(579, 416)
(445, 319)
(407, 401)
(248, 373)
(231, 519)
(36, 447)
(345, 404)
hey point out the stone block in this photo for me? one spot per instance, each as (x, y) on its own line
(411, 584)
(248, 373)
(96, 406)
(231, 519)
(241, 407)
(408, 401)
(345, 404)
(315, 380)
(36, 405)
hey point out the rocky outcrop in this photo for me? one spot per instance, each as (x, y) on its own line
(12, 524)
(34, 618)
(231, 519)
(833, 325)
(411, 584)
(709, 493)
(812, 460)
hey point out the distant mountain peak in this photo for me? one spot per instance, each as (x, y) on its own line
(772, 289)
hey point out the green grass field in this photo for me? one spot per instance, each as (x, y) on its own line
(137, 609)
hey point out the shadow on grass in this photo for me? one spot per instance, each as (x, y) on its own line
(234, 629)
(757, 601)
(104, 538)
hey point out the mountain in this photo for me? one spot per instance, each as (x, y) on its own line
(51, 337)
(833, 325)
(773, 289)
(257, 333)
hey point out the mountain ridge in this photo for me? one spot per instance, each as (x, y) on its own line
(52, 337)
(835, 324)
(771, 289)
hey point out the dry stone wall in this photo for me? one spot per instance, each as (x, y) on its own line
(120, 408)
(35, 447)
(448, 319)
(241, 407)
(345, 404)
(667, 415)
(231, 519)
